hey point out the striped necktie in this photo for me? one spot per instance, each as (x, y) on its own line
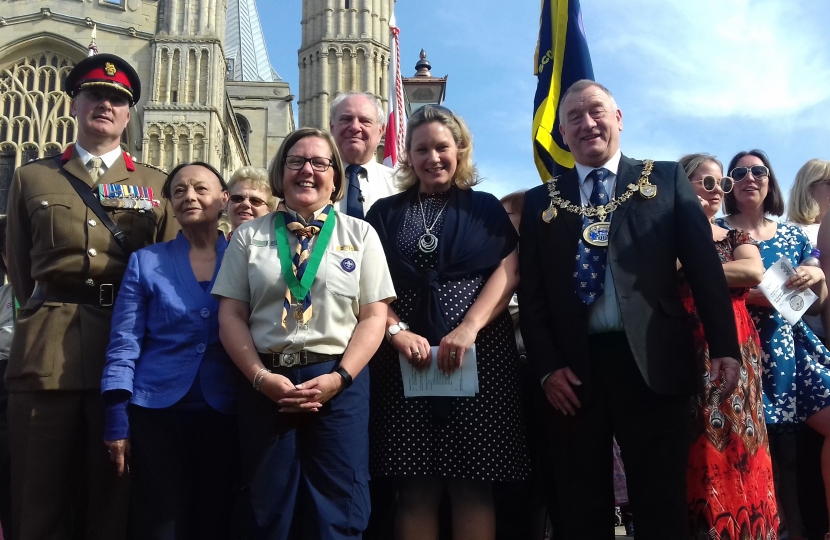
(304, 232)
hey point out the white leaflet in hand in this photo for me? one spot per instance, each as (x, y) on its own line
(790, 303)
(463, 382)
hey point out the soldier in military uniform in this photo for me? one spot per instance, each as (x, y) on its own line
(66, 262)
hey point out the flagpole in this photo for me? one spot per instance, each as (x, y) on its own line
(395, 125)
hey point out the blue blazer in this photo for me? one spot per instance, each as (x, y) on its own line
(165, 330)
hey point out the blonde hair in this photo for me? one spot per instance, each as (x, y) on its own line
(255, 178)
(466, 173)
(802, 207)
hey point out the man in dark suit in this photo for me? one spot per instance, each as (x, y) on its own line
(604, 326)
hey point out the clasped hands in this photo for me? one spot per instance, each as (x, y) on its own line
(304, 397)
(451, 350)
(559, 385)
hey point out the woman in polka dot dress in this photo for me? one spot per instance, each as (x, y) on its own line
(451, 252)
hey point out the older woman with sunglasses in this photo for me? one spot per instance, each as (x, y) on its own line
(303, 307)
(250, 196)
(796, 380)
(733, 430)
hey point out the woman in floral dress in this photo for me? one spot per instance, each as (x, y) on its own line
(730, 481)
(795, 376)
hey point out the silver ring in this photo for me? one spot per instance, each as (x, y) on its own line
(416, 354)
(453, 354)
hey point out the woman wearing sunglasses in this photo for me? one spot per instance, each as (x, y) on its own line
(732, 430)
(250, 196)
(796, 381)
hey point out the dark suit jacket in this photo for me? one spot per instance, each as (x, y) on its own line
(647, 237)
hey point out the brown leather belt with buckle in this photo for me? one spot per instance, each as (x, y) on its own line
(102, 295)
(301, 358)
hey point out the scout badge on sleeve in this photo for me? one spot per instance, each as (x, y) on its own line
(124, 196)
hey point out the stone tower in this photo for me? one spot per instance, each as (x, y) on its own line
(345, 46)
(185, 117)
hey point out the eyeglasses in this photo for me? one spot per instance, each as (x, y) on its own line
(319, 164)
(758, 172)
(709, 182)
(256, 202)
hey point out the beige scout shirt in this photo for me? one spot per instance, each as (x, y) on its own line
(251, 272)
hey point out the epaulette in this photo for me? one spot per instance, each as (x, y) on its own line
(35, 160)
(159, 169)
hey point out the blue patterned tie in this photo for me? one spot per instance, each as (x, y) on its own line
(589, 276)
(354, 197)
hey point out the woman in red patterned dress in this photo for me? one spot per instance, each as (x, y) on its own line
(730, 484)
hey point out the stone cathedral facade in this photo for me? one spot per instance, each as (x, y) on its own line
(208, 90)
(345, 46)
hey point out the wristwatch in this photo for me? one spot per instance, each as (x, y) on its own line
(395, 328)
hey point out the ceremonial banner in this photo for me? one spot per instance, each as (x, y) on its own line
(562, 58)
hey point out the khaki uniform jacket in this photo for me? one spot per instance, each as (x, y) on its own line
(54, 238)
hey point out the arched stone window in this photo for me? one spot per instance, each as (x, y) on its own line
(34, 112)
(244, 129)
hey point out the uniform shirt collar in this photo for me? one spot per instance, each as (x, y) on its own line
(109, 158)
(612, 165)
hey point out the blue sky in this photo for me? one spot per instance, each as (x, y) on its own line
(689, 75)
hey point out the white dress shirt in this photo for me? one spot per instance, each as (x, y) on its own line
(108, 159)
(604, 313)
(376, 183)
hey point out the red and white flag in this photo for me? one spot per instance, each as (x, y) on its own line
(395, 124)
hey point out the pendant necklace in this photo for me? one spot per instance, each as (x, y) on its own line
(428, 241)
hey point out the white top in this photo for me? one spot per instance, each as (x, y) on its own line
(604, 313)
(376, 183)
(811, 230)
(109, 158)
(353, 272)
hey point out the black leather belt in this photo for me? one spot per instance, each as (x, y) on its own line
(301, 358)
(102, 295)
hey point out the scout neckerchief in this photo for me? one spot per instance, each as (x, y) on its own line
(303, 263)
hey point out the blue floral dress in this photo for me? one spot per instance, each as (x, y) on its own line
(796, 366)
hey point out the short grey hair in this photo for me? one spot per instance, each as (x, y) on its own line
(579, 86)
(368, 95)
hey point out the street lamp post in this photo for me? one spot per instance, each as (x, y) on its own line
(423, 88)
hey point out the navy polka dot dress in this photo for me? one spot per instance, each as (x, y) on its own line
(484, 436)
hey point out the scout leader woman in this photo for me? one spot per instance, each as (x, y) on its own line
(67, 252)
(303, 307)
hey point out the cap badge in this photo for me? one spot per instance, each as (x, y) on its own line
(109, 69)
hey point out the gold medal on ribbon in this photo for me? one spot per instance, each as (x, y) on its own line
(549, 214)
(648, 190)
(298, 313)
(597, 233)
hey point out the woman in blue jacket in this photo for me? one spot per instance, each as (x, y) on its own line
(165, 359)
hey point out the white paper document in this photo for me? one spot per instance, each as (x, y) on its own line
(790, 303)
(463, 382)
